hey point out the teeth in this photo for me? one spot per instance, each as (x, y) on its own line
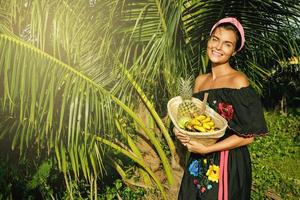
(216, 53)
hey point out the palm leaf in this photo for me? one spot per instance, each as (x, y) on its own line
(136, 159)
(64, 81)
(134, 149)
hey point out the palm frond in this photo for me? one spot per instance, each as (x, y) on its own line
(51, 103)
(136, 159)
(71, 90)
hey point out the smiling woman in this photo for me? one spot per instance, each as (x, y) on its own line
(221, 45)
(223, 170)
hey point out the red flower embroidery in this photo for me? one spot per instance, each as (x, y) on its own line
(196, 182)
(202, 189)
(225, 110)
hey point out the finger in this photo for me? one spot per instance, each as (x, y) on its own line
(186, 140)
(188, 146)
(175, 130)
(183, 139)
(180, 136)
(178, 133)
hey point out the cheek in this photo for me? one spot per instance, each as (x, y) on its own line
(210, 45)
(229, 51)
(209, 42)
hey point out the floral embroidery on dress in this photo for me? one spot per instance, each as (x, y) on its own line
(213, 173)
(225, 110)
(195, 168)
(205, 173)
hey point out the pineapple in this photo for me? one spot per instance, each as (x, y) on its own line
(187, 109)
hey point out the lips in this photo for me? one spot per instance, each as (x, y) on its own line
(216, 53)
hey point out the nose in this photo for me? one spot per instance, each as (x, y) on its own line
(219, 45)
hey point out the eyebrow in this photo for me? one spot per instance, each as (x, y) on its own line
(226, 41)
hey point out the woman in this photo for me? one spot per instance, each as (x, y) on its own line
(223, 170)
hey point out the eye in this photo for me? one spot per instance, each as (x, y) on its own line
(213, 39)
(228, 45)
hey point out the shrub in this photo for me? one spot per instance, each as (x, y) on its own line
(275, 158)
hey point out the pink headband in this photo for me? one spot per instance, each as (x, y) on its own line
(234, 22)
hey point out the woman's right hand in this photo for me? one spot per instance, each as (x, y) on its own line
(184, 139)
(192, 146)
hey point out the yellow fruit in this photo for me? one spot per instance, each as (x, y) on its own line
(201, 117)
(189, 127)
(211, 123)
(206, 126)
(187, 107)
(207, 119)
(182, 121)
(200, 128)
(194, 122)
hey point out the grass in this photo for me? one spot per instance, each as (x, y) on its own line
(276, 158)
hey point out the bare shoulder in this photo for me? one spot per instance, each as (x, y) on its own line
(240, 80)
(200, 82)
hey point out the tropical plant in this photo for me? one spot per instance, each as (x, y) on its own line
(70, 86)
(70, 72)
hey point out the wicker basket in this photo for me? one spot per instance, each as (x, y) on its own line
(206, 138)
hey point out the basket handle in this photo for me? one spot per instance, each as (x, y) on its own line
(203, 105)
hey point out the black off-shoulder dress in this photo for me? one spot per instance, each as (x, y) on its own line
(226, 174)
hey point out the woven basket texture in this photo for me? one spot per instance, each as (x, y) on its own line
(206, 138)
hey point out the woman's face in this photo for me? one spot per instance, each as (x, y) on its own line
(221, 45)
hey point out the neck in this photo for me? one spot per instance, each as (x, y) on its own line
(220, 70)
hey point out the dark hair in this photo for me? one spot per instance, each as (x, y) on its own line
(229, 26)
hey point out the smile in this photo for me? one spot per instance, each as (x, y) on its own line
(216, 53)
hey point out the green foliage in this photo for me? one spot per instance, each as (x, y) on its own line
(276, 157)
(40, 179)
(60, 76)
(28, 179)
(119, 189)
(41, 175)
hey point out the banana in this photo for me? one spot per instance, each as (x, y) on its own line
(189, 126)
(206, 126)
(202, 123)
(194, 122)
(200, 128)
(201, 117)
(211, 123)
(207, 119)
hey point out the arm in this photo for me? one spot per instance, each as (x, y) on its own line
(231, 142)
